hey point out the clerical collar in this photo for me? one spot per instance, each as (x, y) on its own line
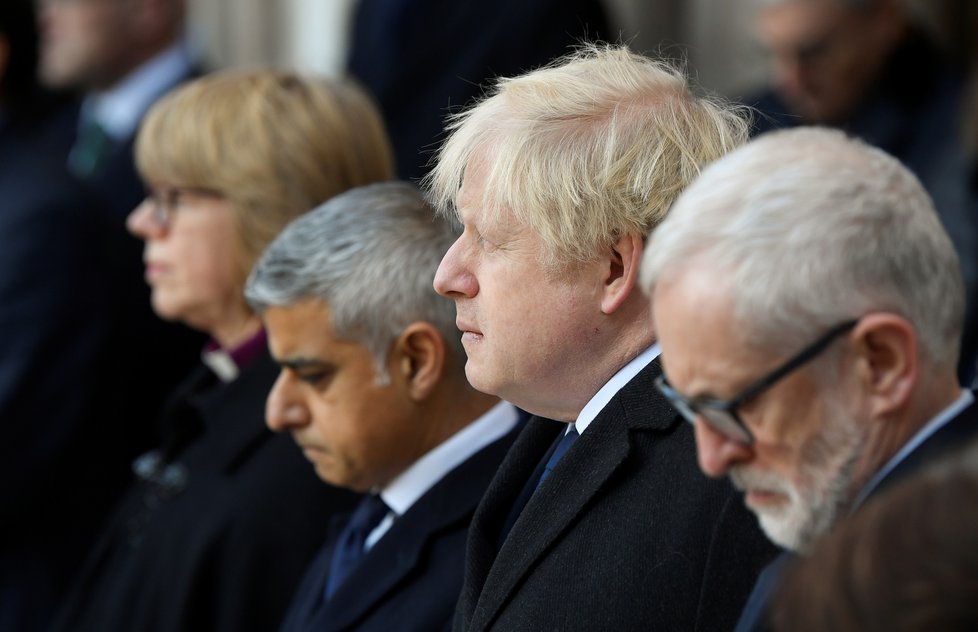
(228, 363)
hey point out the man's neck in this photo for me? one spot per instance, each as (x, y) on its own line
(889, 435)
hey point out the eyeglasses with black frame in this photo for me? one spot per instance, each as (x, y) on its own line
(722, 414)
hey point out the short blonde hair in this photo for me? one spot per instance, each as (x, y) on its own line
(596, 145)
(272, 143)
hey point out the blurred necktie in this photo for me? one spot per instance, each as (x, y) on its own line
(87, 156)
(350, 544)
(565, 443)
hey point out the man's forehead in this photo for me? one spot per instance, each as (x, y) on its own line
(300, 323)
(689, 307)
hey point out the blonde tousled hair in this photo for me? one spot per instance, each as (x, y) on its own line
(596, 145)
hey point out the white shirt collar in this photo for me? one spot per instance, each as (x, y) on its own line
(120, 109)
(963, 401)
(405, 490)
(615, 384)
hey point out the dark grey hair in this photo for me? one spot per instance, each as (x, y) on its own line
(371, 255)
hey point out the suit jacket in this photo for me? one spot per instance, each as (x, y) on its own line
(626, 533)
(410, 579)
(955, 434)
(216, 537)
(398, 53)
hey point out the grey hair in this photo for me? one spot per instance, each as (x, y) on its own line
(371, 255)
(594, 146)
(811, 228)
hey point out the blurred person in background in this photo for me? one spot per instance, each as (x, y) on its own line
(65, 374)
(423, 59)
(871, 68)
(24, 105)
(119, 56)
(224, 516)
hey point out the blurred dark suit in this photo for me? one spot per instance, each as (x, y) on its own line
(422, 59)
(66, 376)
(84, 362)
(213, 536)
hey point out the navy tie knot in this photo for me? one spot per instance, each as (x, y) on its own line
(352, 540)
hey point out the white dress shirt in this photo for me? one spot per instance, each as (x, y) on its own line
(612, 386)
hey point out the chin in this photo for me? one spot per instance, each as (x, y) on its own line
(478, 380)
(172, 311)
(784, 529)
(163, 309)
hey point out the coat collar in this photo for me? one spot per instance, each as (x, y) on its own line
(233, 410)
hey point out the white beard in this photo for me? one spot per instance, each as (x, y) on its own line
(822, 490)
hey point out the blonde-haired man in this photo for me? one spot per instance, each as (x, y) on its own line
(557, 177)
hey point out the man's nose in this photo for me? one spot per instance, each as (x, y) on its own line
(717, 452)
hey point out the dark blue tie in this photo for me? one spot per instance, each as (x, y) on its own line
(350, 544)
(565, 443)
(553, 454)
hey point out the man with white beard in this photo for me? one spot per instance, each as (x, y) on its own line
(809, 306)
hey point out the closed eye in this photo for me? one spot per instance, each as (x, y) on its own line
(315, 378)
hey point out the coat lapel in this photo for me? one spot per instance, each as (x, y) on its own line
(447, 505)
(578, 478)
(502, 492)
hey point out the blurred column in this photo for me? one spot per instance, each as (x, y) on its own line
(716, 36)
(319, 35)
(310, 35)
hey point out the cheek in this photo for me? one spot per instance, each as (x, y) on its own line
(207, 271)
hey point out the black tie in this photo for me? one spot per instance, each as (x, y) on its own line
(350, 544)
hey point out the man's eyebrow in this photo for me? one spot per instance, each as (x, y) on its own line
(299, 363)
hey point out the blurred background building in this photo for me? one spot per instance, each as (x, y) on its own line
(715, 36)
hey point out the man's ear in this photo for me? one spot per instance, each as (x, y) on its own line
(621, 272)
(886, 349)
(419, 358)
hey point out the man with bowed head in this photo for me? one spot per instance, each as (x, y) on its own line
(809, 306)
(557, 177)
(373, 390)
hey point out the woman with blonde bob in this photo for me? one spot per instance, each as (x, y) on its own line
(223, 516)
